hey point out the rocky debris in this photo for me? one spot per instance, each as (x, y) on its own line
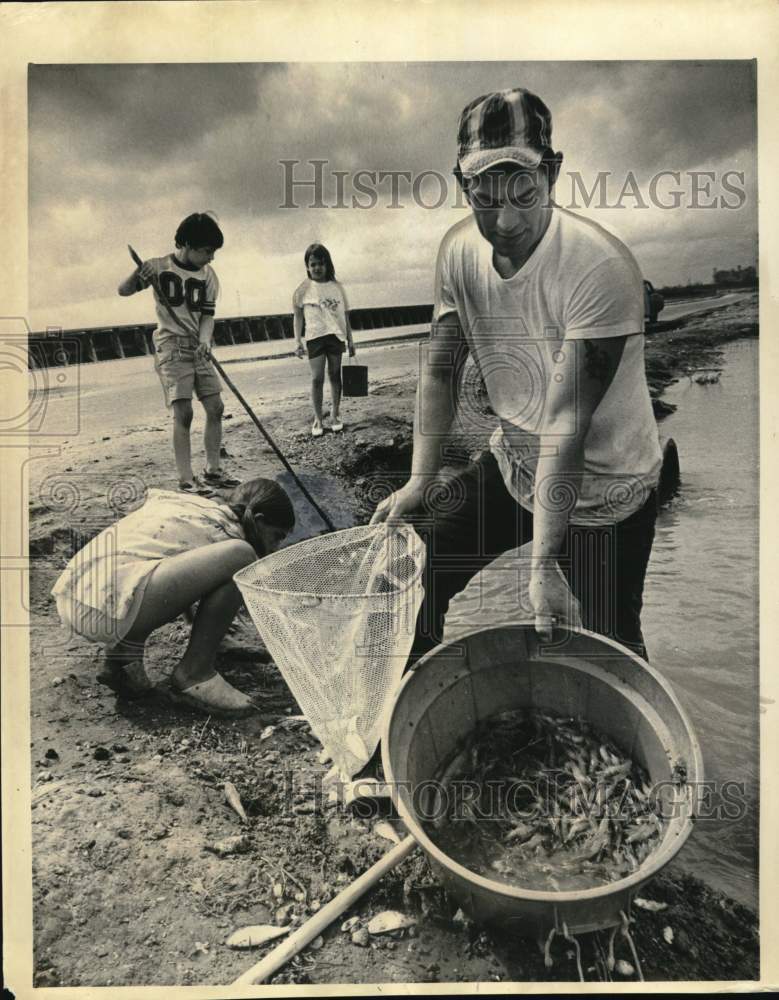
(361, 938)
(47, 977)
(461, 920)
(387, 831)
(683, 943)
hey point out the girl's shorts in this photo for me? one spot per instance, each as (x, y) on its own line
(330, 345)
(96, 625)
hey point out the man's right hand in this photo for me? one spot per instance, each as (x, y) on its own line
(398, 504)
(300, 351)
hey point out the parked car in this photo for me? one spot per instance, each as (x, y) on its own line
(653, 302)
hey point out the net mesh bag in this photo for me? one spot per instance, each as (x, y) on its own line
(338, 614)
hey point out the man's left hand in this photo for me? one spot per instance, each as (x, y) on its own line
(552, 601)
(203, 350)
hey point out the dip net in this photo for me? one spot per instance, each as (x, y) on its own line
(338, 614)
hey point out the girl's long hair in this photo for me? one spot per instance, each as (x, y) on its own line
(319, 250)
(261, 496)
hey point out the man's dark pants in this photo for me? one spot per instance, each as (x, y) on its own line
(469, 518)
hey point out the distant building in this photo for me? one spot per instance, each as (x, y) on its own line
(738, 277)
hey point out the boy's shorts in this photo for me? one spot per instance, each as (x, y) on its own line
(330, 345)
(181, 373)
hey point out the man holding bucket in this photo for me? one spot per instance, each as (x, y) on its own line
(550, 307)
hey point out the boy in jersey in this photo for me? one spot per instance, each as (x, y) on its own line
(183, 345)
(550, 307)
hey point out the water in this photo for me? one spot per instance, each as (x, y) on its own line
(700, 616)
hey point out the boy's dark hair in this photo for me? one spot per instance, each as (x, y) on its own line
(261, 497)
(199, 230)
(319, 250)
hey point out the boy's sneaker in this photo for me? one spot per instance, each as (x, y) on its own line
(317, 430)
(337, 425)
(195, 487)
(220, 479)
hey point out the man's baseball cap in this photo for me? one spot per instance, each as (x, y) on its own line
(508, 126)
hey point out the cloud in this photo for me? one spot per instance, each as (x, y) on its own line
(147, 112)
(121, 153)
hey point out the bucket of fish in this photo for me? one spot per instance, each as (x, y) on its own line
(546, 782)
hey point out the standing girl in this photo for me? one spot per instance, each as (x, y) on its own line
(320, 310)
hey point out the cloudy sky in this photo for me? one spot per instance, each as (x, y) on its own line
(120, 154)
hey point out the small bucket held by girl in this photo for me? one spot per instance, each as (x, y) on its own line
(354, 379)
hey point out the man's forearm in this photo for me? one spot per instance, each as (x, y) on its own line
(434, 412)
(437, 392)
(558, 481)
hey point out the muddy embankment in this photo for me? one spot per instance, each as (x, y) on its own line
(128, 800)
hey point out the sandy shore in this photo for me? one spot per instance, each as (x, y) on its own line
(127, 797)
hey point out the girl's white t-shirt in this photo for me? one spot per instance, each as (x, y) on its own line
(108, 571)
(579, 284)
(324, 308)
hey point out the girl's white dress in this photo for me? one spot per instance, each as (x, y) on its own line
(110, 573)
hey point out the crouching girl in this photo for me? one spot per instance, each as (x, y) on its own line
(155, 563)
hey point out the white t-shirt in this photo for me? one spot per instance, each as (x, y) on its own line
(108, 571)
(190, 293)
(579, 284)
(324, 308)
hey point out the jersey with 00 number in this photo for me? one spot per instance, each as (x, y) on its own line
(190, 294)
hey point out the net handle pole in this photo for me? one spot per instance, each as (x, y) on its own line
(164, 299)
(314, 926)
(255, 420)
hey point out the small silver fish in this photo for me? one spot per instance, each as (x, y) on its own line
(520, 832)
(640, 834)
(535, 841)
(580, 776)
(577, 827)
(616, 769)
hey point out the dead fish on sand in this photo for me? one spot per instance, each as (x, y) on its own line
(233, 800)
(255, 935)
